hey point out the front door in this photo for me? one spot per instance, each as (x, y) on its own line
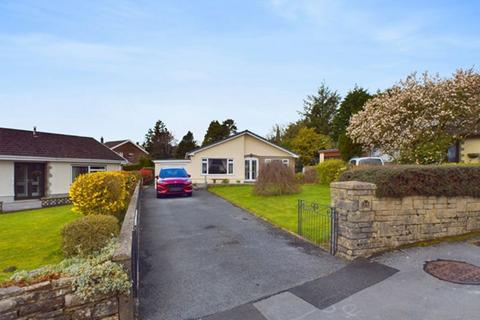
(251, 169)
(29, 180)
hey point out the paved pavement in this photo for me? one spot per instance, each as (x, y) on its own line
(404, 291)
(413, 294)
(201, 255)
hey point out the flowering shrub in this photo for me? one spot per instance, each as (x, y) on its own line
(102, 192)
(88, 234)
(92, 275)
(329, 170)
(418, 118)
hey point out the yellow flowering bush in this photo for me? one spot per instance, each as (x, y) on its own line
(102, 192)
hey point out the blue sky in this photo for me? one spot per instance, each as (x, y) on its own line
(113, 67)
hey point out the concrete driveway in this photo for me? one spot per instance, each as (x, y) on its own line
(202, 255)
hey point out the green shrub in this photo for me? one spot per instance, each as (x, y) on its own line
(276, 179)
(88, 234)
(402, 181)
(225, 181)
(329, 170)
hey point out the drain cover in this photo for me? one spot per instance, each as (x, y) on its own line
(454, 271)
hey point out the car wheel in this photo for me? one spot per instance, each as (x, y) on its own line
(159, 196)
(189, 194)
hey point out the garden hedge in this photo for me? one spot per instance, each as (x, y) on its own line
(88, 234)
(402, 181)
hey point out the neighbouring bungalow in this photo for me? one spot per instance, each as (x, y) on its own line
(236, 159)
(467, 151)
(127, 149)
(37, 168)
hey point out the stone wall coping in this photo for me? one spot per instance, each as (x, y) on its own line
(124, 249)
(353, 185)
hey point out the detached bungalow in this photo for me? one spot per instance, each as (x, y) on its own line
(38, 165)
(237, 159)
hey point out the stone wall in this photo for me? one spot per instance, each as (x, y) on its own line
(53, 300)
(368, 224)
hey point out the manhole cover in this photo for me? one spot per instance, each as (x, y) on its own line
(454, 271)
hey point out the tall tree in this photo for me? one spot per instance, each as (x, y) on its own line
(186, 145)
(307, 142)
(353, 102)
(217, 131)
(320, 109)
(159, 141)
(276, 134)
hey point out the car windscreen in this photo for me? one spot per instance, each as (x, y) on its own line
(173, 173)
(371, 161)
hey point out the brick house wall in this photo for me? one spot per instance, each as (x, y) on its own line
(130, 152)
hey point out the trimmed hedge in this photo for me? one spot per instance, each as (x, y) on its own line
(103, 192)
(88, 234)
(403, 181)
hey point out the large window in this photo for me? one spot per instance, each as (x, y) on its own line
(78, 170)
(217, 166)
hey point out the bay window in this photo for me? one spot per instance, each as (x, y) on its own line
(217, 166)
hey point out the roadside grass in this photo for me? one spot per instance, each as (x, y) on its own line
(283, 210)
(31, 239)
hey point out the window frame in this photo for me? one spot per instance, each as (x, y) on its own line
(230, 161)
(90, 169)
(284, 161)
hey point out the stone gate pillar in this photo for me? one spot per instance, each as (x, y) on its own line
(353, 202)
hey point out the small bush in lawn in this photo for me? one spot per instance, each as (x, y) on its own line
(276, 179)
(419, 180)
(310, 175)
(329, 170)
(88, 234)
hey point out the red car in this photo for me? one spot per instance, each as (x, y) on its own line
(173, 181)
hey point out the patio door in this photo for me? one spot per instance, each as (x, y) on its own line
(29, 180)
(251, 169)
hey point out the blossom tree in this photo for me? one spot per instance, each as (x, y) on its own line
(418, 118)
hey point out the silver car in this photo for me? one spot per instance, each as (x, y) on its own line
(369, 161)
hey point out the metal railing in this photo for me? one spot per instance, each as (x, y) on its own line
(318, 224)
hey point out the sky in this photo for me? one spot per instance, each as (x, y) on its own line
(112, 68)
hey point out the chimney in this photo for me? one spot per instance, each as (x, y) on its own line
(35, 132)
(101, 139)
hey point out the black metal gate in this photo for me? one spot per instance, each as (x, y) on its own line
(318, 224)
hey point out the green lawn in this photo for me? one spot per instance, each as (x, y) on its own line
(31, 239)
(279, 210)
